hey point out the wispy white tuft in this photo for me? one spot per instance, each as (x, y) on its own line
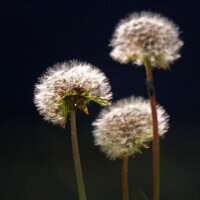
(126, 126)
(146, 35)
(64, 79)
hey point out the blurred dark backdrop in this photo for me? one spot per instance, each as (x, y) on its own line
(36, 161)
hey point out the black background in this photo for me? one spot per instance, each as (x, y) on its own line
(36, 161)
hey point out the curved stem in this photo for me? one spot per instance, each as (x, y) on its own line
(77, 162)
(125, 194)
(156, 145)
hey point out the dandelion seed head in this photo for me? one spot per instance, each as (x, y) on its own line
(125, 127)
(146, 35)
(73, 81)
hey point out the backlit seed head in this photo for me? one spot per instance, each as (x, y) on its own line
(70, 85)
(124, 128)
(143, 36)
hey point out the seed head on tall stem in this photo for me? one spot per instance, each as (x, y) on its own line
(64, 89)
(153, 41)
(123, 129)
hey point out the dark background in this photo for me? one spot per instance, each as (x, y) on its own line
(36, 160)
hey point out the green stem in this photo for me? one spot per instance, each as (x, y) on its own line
(77, 162)
(156, 145)
(125, 193)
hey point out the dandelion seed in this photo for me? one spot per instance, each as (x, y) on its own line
(146, 35)
(70, 85)
(124, 128)
(66, 88)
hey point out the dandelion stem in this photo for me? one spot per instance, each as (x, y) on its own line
(156, 145)
(125, 194)
(77, 162)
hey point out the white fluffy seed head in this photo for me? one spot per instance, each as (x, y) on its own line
(125, 127)
(146, 35)
(65, 79)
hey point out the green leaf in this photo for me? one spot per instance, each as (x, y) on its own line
(160, 62)
(132, 58)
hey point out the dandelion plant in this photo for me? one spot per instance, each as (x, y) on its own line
(123, 129)
(66, 88)
(153, 41)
